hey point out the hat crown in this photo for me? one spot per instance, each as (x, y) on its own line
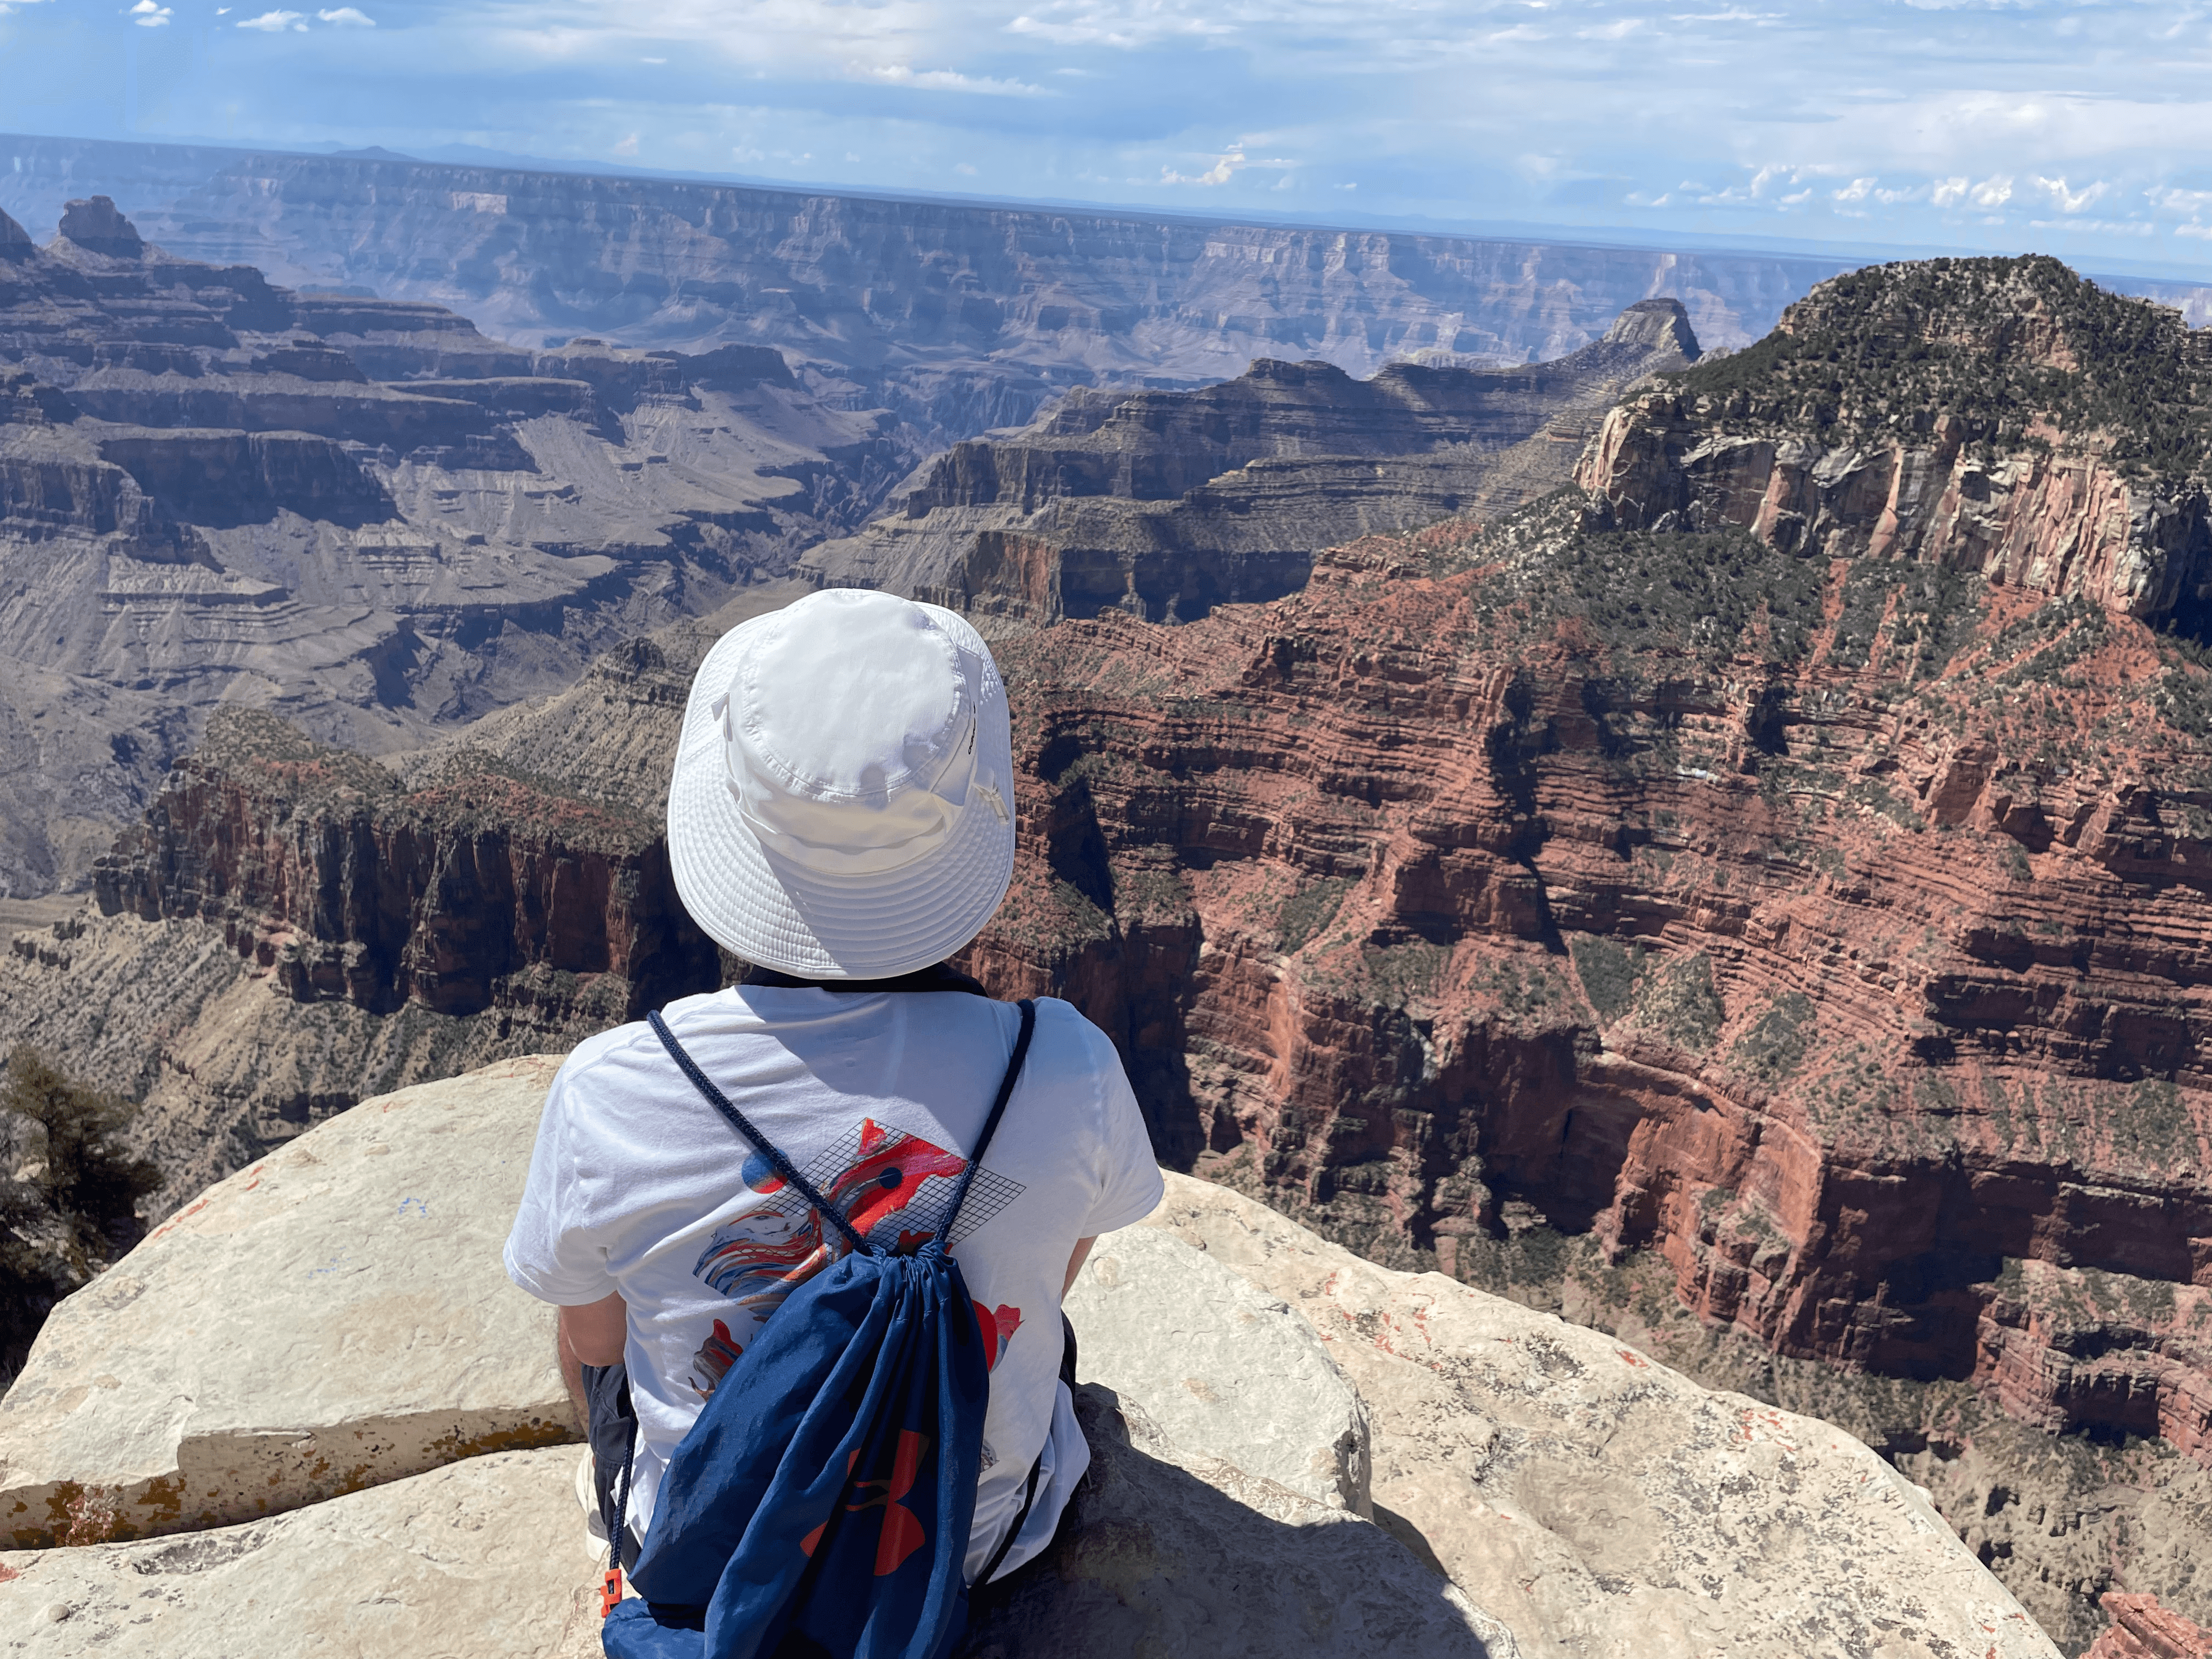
(854, 696)
(842, 801)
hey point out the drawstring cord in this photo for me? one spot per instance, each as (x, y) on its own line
(610, 1592)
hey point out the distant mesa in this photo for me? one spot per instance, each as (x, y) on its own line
(97, 226)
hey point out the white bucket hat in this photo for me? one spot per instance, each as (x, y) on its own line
(842, 803)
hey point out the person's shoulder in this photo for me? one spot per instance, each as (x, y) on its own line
(591, 1060)
(1067, 1043)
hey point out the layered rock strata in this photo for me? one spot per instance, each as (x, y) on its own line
(962, 316)
(291, 928)
(1167, 503)
(365, 514)
(2143, 1630)
(321, 867)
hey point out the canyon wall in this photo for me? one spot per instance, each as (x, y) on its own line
(363, 512)
(1164, 504)
(319, 866)
(962, 316)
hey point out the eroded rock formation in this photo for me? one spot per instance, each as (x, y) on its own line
(2143, 1630)
(1164, 504)
(365, 514)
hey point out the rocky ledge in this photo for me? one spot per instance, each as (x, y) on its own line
(1295, 1450)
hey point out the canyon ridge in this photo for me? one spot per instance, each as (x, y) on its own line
(1749, 898)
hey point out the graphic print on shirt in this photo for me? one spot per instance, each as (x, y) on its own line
(893, 1187)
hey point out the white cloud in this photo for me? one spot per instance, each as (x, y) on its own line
(2071, 201)
(653, 60)
(1856, 191)
(2178, 200)
(273, 23)
(2202, 232)
(348, 17)
(627, 146)
(148, 15)
(1620, 28)
(1991, 193)
(900, 75)
(1224, 168)
(965, 169)
(1129, 25)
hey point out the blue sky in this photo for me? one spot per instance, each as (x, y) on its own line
(2085, 130)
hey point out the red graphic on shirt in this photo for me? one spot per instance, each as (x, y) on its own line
(760, 1259)
(998, 1326)
(902, 1532)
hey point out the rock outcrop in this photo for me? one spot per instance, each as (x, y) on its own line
(1164, 504)
(366, 514)
(2143, 1630)
(1601, 1505)
(472, 1560)
(1867, 426)
(1618, 1508)
(332, 1319)
(1223, 1365)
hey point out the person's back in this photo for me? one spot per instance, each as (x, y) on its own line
(839, 816)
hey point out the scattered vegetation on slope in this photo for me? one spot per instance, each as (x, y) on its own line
(2017, 352)
(69, 1193)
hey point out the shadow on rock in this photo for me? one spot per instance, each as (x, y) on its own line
(1166, 1553)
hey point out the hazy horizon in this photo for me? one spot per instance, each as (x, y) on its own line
(2063, 127)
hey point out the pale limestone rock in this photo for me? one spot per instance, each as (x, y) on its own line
(1219, 1366)
(1172, 1554)
(1603, 1506)
(331, 1319)
(476, 1560)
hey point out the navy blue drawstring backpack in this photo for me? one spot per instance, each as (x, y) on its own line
(820, 1506)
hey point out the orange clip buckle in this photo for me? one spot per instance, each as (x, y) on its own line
(611, 1592)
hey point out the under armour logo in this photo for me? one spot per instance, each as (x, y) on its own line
(902, 1534)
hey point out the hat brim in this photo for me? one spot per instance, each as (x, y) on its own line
(764, 909)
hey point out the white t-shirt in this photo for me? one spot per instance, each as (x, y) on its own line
(637, 1184)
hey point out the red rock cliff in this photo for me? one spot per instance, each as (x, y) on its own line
(1841, 939)
(319, 866)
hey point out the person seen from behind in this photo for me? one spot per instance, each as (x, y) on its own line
(841, 818)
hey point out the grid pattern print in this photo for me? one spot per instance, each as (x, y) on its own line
(988, 1196)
